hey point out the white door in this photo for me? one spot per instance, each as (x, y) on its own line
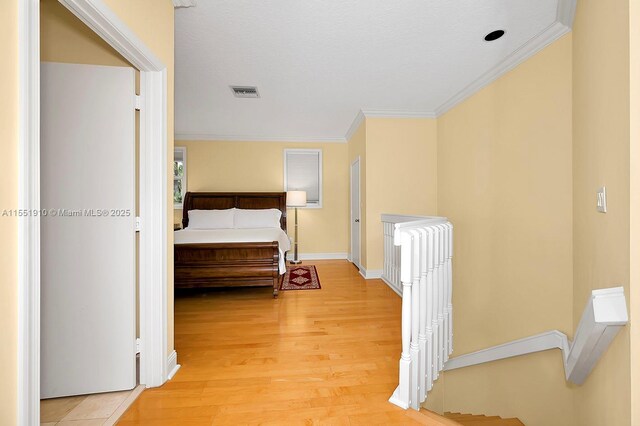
(87, 237)
(355, 213)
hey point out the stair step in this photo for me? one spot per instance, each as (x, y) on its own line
(482, 420)
(476, 417)
(512, 422)
(430, 418)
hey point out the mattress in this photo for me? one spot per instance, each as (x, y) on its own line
(252, 235)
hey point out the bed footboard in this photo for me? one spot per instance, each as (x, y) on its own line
(227, 265)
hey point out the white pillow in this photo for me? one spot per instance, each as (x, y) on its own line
(211, 219)
(263, 218)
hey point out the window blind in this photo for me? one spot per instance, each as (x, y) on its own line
(303, 173)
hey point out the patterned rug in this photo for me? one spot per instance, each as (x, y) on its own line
(300, 278)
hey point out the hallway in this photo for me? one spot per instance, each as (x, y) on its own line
(326, 356)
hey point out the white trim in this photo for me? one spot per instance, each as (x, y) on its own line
(184, 3)
(372, 274)
(375, 113)
(566, 12)
(355, 125)
(153, 238)
(214, 137)
(350, 255)
(381, 113)
(318, 256)
(28, 409)
(183, 151)
(395, 290)
(564, 21)
(172, 365)
(541, 342)
(104, 22)
(153, 197)
(602, 319)
(533, 46)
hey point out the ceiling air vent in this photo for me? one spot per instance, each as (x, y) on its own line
(245, 91)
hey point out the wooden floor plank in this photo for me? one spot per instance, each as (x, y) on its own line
(325, 357)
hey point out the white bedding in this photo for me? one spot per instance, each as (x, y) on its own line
(254, 235)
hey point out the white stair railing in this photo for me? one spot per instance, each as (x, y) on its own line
(417, 265)
(603, 317)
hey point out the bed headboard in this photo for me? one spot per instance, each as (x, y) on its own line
(239, 200)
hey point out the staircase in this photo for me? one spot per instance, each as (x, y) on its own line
(480, 420)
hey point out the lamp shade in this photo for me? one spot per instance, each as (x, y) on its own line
(296, 198)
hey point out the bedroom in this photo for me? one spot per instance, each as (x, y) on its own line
(516, 169)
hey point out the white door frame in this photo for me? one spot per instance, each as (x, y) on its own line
(357, 160)
(153, 196)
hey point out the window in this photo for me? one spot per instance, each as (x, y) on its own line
(303, 172)
(179, 176)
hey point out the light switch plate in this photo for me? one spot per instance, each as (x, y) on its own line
(602, 200)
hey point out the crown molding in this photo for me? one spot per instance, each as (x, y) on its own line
(566, 12)
(212, 137)
(562, 25)
(380, 113)
(184, 3)
(564, 21)
(355, 125)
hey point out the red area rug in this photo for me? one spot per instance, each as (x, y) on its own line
(301, 277)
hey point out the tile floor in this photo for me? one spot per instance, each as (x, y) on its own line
(102, 409)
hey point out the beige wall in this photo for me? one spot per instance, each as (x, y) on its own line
(64, 38)
(258, 166)
(398, 175)
(9, 200)
(634, 225)
(358, 150)
(601, 132)
(401, 175)
(505, 182)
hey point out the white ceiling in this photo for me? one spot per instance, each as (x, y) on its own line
(317, 64)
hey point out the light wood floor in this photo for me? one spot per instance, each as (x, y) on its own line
(326, 356)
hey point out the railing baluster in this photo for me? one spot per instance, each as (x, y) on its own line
(415, 318)
(430, 292)
(450, 286)
(417, 260)
(422, 333)
(435, 303)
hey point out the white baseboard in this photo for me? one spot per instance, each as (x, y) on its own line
(371, 274)
(172, 365)
(541, 342)
(318, 256)
(395, 290)
(602, 319)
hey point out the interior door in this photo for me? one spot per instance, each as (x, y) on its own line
(355, 213)
(87, 229)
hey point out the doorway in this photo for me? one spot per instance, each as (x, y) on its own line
(355, 213)
(155, 363)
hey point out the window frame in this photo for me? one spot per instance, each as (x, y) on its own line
(318, 151)
(183, 151)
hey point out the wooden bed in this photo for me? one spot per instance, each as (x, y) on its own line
(229, 264)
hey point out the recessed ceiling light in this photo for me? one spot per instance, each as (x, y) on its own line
(494, 35)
